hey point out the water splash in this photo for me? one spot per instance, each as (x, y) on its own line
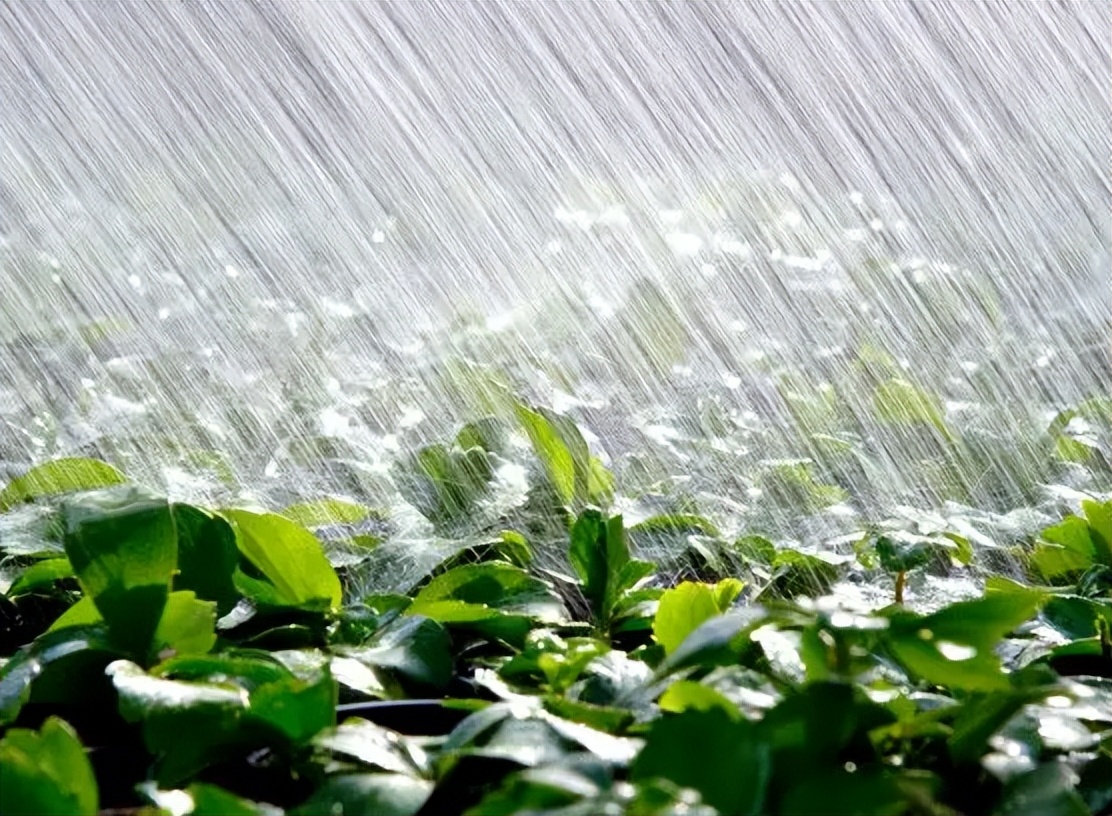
(278, 246)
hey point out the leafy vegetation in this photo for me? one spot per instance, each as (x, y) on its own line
(165, 657)
(855, 561)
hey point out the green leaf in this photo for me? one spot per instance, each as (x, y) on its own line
(57, 477)
(187, 626)
(416, 648)
(1066, 548)
(46, 773)
(798, 573)
(899, 402)
(688, 695)
(323, 512)
(903, 552)
(367, 795)
(552, 659)
(297, 709)
(494, 584)
(547, 789)
(1076, 617)
(207, 556)
(755, 548)
(444, 483)
(488, 433)
(484, 621)
(186, 725)
(556, 456)
(731, 767)
(507, 546)
(1076, 543)
(577, 477)
(955, 646)
(288, 555)
(600, 555)
(41, 574)
(982, 715)
(793, 485)
(123, 546)
(683, 608)
(248, 668)
(374, 745)
(82, 613)
(143, 695)
(717, 640)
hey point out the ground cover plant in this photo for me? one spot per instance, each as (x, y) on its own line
(794, 521)
(166, 657)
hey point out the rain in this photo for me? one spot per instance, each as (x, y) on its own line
(797, 267)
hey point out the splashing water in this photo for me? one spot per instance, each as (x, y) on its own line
(787, 263)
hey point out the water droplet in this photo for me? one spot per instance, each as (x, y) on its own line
(956, 651)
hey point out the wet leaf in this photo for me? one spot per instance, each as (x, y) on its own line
(600, 554)
(296, 708)
(685, 695)
(683, 608)
(46, 773)
(187, 626)
(374, 745)
(444, 483)
(717, 640)
(123, 546)
(57, 477)
(736, 781)
(207, 800)
(899, 402)
(367, 795)
(416, 648)
(955, 646)
(323, 512)
(288, 555)
(41, 575)
(577, 477)
(493, 584)
(872, 792)
(207, 556)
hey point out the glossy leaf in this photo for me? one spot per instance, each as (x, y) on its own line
(57, 477)
(367, 795)
(684, 608)
(207, 556)
(494, 584)
(187, 626)
(63, 666)
(122, 543)
(41, 575)
(416, 648)
(376, 746)
(955, 646)
(288, 555)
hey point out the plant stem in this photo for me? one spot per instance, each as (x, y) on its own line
(901, 582)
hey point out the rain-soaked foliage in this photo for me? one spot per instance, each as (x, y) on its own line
(508, 408)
